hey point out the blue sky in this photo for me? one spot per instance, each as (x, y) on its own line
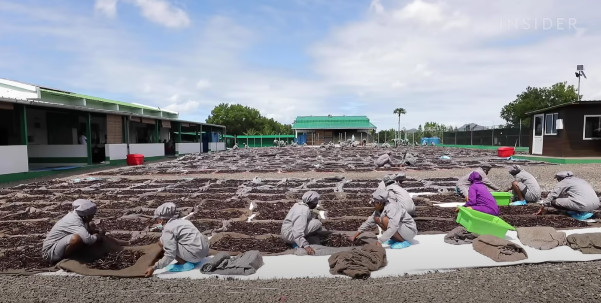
(453, 62)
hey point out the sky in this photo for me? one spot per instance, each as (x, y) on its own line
(452, 62)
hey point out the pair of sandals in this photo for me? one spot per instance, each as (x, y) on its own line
(397, 245)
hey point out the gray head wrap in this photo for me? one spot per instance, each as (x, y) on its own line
(388, 179)
(485, 166)
(166, 211)
(84, 207)
(311, 197)
(515, 169)
(563, 174)
(380, 195)
(400, 177)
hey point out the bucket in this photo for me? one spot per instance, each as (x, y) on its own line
(135, 159)
(505, 152)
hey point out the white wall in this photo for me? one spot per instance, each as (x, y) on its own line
(148, 149)
(57, 151)
(16, 90)
(187, 148)
(116, 151)
(14, 159)
(216, 146)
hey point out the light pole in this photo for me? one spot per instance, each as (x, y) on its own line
(579, 72)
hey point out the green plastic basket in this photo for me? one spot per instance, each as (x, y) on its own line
(481, 223)
(502, 198)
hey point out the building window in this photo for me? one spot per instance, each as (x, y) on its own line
(551, 124)
(592, 127)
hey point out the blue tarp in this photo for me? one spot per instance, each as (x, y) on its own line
(429, 141)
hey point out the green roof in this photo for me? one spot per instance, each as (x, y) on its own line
(332, 122)
(265, 136)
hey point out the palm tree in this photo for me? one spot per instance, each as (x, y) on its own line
(399, 111)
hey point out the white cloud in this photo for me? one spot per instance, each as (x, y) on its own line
(106, 7)
(158, 11)
(162, 12)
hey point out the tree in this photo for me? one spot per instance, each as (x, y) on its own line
(239, 119)
(399, 111)
(535, 98)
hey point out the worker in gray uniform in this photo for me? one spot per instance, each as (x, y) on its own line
(392, 183)
(299, 222)
(525, 187)
(180, 240)
(572, 194)
(398, 226)
(463, 184)
(72, 233)
(384, 159)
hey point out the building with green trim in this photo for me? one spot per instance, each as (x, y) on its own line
(315, 130)
(42, 127)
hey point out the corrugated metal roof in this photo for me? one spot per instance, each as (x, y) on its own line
(332, 122)
(582, 102)
(75, 95)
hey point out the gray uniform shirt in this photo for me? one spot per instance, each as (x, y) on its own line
(401, 196)
(464, 183)
(577, 190)
(397, 217)
(181, 238)
(528, 179)
(383, 160)
(70, 224)
(296, 221)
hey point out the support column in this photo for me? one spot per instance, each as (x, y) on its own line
(201, 143)
(23, 124)
(89, 136)
(157, 127)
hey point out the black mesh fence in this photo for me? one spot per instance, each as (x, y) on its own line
(497, 137)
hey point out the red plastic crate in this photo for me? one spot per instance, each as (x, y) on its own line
(505, 152)
(135, 159)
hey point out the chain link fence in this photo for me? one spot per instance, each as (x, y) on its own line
(491, 136)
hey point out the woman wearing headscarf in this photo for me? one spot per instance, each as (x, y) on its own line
(180, 240)
(572, 194)
(398, 226)
(525, 187)
(299, 223)
(71, 233)
(479, 198)
(463, 184)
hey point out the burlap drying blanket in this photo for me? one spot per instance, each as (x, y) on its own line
(499, 250)
(459, 235)
(541, 237)
(586, 243)
(359, 262)
(78, 264)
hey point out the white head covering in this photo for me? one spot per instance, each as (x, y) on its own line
(84, 207)
(564, 174)
(515, 169)
(311, 197)
(380, 195)
(166, 210)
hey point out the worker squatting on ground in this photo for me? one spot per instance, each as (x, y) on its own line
(299, 223)
(572, 194)
(180, 240)
(525, 187)
(479, 198)
(398, 226)
(463, 184)
(72, 233)
(384, 159)
(392, 183)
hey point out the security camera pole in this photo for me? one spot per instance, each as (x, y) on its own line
(579, 72)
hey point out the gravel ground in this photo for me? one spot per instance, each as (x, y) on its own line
(558, 282)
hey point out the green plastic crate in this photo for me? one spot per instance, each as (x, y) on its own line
(481, 223)
(503, 198)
